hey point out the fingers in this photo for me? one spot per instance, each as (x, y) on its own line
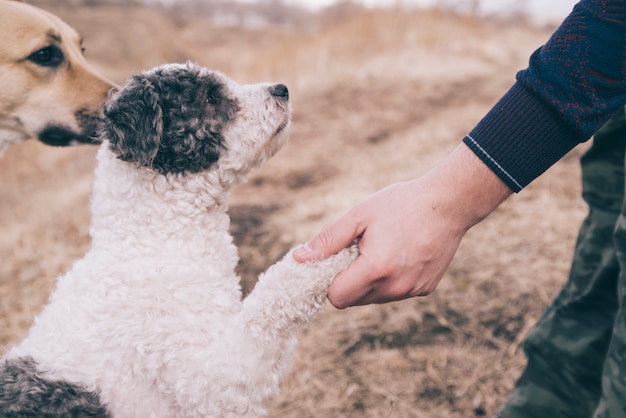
(361, 284)
(350, 286)
(330, 241)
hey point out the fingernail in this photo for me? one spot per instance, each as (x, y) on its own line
(303, 251)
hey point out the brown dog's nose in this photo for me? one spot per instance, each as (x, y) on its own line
(279, 90)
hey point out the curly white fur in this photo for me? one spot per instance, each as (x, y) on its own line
(152, 317)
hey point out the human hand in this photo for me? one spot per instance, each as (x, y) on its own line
(409, 232)
(405, 247)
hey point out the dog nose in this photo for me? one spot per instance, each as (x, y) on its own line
(279, 90)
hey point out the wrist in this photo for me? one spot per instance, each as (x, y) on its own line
(465, 189)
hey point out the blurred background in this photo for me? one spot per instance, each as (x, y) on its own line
(380, 92)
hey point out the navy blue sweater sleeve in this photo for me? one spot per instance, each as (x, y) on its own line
(573, 84)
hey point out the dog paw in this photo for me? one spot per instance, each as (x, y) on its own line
(312, 277)
(289, 294)
(323, 272)
(340, 261)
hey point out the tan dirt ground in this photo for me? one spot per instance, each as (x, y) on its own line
(378, 97)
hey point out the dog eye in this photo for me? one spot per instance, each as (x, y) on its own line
(50, 56)
(211, 99)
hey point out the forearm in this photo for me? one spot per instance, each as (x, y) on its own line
(573, 84)
(521, 137)
(580, 71)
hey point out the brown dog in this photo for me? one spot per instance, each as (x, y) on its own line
(47, 89)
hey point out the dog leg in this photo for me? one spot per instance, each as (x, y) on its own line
(289, 294)
(286, 298)
(248, 361)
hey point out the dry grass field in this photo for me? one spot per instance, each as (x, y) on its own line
(378, 97)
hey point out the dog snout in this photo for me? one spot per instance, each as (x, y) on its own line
(280, 90)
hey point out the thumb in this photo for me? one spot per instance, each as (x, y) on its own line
(328, 242)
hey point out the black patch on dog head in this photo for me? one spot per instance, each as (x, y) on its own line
(170, 119)
(25, 394)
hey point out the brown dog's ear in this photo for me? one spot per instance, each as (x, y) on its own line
(133, 121)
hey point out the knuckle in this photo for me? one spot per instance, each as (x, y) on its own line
(326, 238)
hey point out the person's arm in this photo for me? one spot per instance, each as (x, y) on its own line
(409, 231)
(572, 86)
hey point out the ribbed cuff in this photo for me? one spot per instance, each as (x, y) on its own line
(521, 137)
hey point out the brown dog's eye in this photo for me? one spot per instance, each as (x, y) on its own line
(211, 99)
(50, 56)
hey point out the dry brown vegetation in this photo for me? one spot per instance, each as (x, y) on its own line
(378, 97)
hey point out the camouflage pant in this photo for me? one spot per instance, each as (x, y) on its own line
(577, 351)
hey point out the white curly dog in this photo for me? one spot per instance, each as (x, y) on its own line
(151, 322)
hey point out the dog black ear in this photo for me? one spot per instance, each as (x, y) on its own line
(133, 121)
